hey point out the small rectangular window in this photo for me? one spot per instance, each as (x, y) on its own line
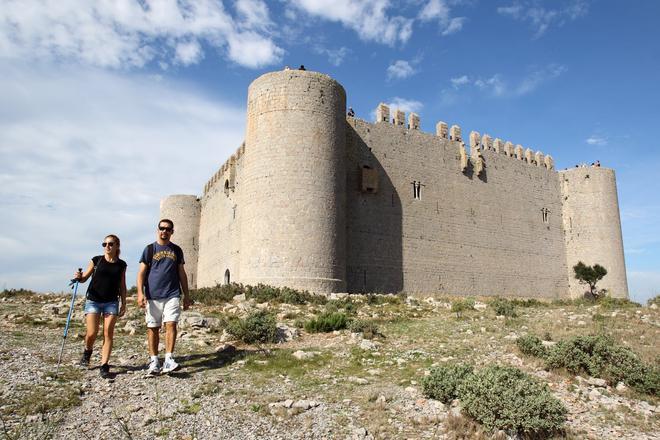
(417, 190)
(369, 182)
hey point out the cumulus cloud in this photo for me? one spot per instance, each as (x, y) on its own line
(493, 85)
(131, 33)
(369, 18)
(400, 69)
(540, 18)
(595, 139)
(439, 10)
(88, 153)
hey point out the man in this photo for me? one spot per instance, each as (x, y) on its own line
(160, 282)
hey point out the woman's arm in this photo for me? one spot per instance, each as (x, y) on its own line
(122, 293)
(82, 277)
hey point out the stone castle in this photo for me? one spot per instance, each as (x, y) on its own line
(317, 200)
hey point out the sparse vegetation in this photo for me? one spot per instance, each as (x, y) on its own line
(258, 326)
(461, 305)
(368, 328)
(504, 307)
(327, 322)
(600, 356)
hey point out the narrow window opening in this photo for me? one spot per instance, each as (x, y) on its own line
(417, 190)
(227, 187)
(544, 214)
(227, 277)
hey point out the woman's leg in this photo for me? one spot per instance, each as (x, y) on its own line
(108, 333)
(92, 321)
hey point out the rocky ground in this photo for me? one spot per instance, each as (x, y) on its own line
(309, 386)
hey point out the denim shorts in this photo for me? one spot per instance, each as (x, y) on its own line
(105, 308)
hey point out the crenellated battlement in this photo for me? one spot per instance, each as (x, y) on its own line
(228, 166)
(477, 141)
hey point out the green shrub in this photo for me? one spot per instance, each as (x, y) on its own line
(443, 382)
(346, 304)
(378, 299)
(369, 329)
(503, 307)
(600, 356)
(15, 293)
(219, 294)
(258, 326)
(531, 346)
(327, 322)
(461, 305)
(503, 397)
(655, 300)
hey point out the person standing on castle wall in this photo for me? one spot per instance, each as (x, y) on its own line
(161, 281)
(107, 287)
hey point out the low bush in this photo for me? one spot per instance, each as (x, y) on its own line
(369, 329)
(655, 300)
(531, 346)
(327, 322)
(258, 326)
(503, 307)
(16, 293)
(600, 356)
(376, 299)
(461, 305)
(219, 294)
(346, 304)
(503, 397)
(443, 382)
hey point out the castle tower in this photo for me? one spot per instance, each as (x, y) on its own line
(184, 211)
(592, 227)
(294, 183)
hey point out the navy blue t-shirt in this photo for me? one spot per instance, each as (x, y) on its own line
(163, 279)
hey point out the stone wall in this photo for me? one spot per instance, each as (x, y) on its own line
(185, 212)
(461, 233)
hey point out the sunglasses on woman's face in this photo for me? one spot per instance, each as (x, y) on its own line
(109, 243)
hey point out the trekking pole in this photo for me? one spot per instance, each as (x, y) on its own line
(74, 285)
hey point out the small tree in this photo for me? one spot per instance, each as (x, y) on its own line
(589, 275)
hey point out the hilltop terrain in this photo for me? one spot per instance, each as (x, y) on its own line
(336, 384)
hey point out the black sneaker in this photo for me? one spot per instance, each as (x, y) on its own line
(86, 357)
(105, 371)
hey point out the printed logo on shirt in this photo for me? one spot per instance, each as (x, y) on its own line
(164, 254)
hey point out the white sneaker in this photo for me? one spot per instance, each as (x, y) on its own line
(170, 365)
(154, 368)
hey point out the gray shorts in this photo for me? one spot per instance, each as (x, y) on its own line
(162, 310)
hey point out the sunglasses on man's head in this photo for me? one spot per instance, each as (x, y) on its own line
(109, 243)
(165, 228)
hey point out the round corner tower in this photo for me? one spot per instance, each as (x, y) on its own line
(592, 227)
(184, 211)
(293, 217)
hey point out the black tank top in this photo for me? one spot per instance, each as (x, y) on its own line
(106, 280)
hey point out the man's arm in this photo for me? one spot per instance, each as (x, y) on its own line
(183, 279)
(141, 299)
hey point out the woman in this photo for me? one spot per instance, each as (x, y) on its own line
(107, 287)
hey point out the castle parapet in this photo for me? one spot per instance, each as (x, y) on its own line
(498, 145)
(399, 117)
(549, 162)
(487, 142)
(475, 141)
(529, 155)
(413, 121)
(442, 130)
(383, 113)
(519, 152)
(538, 158)
(455, 133)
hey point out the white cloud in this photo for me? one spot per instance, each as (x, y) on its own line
(460, 81)
(493, 85)
(405, 105)
(643, 285)
(497, 86)
(369, 18)
(335, 56)
(439, 10)
(400, 69)
(87, 153)
(596, 140)
(130, 33)
(540, 18)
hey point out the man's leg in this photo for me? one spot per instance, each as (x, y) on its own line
(153, 340)
(170, 336)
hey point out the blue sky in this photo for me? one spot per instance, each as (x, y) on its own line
(108, 106)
